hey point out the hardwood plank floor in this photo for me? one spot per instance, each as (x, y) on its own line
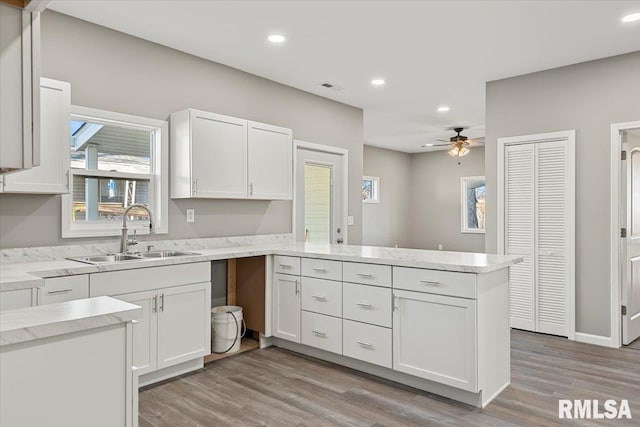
(275, 387)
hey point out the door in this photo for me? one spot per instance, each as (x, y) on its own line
(270, 151)
(434, 337)
(144, 331)
(52, 176)
(286, 307)
(218, 156)
(184, 323)
(631, 245)
(319, 212)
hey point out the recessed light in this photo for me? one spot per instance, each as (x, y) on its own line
(378, 82)
(443, 109)
(276, 38)
(632, 17)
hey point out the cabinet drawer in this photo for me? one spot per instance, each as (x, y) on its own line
(145, 279)
(367, 342)
(322, 268)
(367, 274)
(435, 282)
(368, 304)
(323, 332)
(322, 296)
(287, 265)
(18, 298)
(61, 289)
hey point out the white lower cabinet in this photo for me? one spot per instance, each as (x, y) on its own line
(62, 289)
(434, 337)
(323, 332)
(17, 298)
(367, 342)
(145, 335)
(286, 307)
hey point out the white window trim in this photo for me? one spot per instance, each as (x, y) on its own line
(463, 204)
(375, 197)
(159, 184)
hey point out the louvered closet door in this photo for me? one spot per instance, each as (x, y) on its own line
(552, 197)
(519, 232)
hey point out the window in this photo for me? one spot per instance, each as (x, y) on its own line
(472, 197)
(116, 160)
(370, 189)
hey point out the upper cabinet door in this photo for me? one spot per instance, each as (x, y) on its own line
(270, 162)
(218, 156)
(52, 176)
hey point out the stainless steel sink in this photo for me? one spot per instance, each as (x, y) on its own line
(164, 254)
(103, 259)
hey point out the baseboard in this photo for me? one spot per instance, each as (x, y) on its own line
(170, 372)
(490, 399)
(595, 340)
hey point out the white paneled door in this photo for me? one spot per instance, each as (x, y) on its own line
(538, 224)
(631, 245)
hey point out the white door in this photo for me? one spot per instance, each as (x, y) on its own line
(218, 156)
(286, 307)
(270, 151)
(145, 335)
(434, 337)
(52, 176)
(184, 323)
(631, 245)
(319, 196)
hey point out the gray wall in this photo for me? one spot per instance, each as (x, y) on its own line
(587, 97)
(113, 71)
(435, 194)
(386, 223)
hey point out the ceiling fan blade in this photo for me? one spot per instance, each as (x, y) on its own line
(442, 140)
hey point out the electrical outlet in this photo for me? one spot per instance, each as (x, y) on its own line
(350, 220)
(439, 246)
(191, 215)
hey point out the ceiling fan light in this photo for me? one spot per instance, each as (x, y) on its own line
(463, 151)
(453, 152)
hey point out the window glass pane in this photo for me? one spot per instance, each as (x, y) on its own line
(317, 203)
(105, 199)
(98, 146)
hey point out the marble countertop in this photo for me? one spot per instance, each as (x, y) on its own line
(32, 323)
(31, 274)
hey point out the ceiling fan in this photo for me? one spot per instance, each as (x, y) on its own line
(458, 144)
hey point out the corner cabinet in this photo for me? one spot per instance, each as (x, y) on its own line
(19, 82)
(52, 176)
(217, 156)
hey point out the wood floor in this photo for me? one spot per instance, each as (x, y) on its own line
(275, 387)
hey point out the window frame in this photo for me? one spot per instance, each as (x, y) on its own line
(464, 227)
(375, 189)
(158, 178)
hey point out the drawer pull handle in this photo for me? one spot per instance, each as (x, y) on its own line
(319, 298)
(364, 305)
(319, 333)
(365, 276)
(320, 270)
(59, 291)
(430, 283)
(365, 344)
(286, 266)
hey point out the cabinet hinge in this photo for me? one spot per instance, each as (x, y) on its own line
(623, 232)
(624, 310)
(623, 155)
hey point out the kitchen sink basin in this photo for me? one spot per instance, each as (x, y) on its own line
(164, 254)
(103, 259)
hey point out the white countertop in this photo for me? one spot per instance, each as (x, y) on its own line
(32, 323)
(31, 274)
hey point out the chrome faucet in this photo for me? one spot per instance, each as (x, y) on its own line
(125, 242)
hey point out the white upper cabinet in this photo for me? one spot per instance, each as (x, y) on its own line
(52, 176)
(270, 162)
(19, 81)
(216, 156)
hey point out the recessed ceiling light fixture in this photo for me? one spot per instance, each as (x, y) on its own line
(443, 109)
(276, 38)
(378, 82)
(632, 17)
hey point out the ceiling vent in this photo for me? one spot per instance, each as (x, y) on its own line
(330, 86)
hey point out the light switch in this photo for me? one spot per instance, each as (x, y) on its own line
(350, 220)
(191, 215)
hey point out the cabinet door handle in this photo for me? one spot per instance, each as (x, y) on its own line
(59, 291)
(429, 283)
(319, 333)
(286, 266)
(161, 302)
(319, 298)
(394, 304)
(297, 287)
(365, 276)
(364, 305)
(251, 189)
(320, 270)
(68, 183)
(365, 344)
(154, 307)
(195, 186)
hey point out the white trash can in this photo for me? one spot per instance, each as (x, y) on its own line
(228, 328)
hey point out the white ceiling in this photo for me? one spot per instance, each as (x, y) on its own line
(431, 53)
